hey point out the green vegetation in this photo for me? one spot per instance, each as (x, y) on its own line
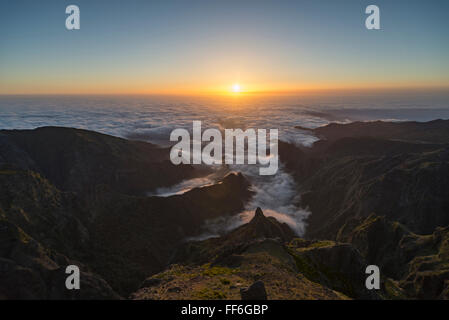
(209, 294)
(393, 291)
(305, 267)
(8, 172)
(320, 244)
(217, 270)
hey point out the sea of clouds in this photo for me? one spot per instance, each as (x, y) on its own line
(152, 118)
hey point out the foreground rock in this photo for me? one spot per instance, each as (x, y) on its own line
(256, 291)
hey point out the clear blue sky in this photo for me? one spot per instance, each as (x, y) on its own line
(170, 46)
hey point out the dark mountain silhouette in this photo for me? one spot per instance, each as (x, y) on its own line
(436, 131)
(80, 160)
(378, 193)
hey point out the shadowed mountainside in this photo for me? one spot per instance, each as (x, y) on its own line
(81, 194)
(80, 160)
(384, 187)
(347, 177)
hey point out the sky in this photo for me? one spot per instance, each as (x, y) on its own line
(183, 47)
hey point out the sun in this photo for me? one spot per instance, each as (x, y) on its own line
(236, 88)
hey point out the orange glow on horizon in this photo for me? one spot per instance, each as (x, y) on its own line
(211, 89)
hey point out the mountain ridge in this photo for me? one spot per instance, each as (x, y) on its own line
(374, 199)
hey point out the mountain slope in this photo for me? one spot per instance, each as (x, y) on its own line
(218, 268)
(81, 194)
(79, 160)
(388, 198)
(345, 178)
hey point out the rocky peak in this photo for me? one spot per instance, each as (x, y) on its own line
(259, 214)
(266, 227)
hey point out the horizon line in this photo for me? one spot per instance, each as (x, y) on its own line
(243, 93)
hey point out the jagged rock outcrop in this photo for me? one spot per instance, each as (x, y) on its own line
(379, 241)
(419, 263)
(219, 250)
(267, 227)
